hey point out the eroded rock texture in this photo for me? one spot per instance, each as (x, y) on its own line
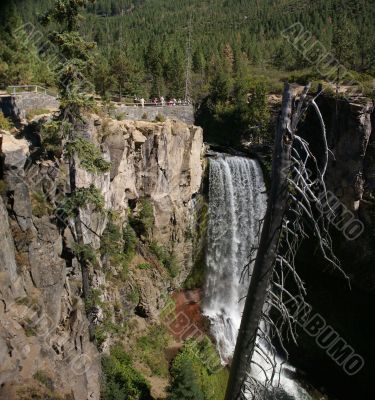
(44, 334)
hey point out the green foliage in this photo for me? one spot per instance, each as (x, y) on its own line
(144, 220)
(121, 379)
(3, 187)
(172, 265)
(256, 114)
(30, 330)
(100, 334)
(130, 240)
(167, 259)
(5, 123)
(89, 155)
(40, 205)
(121, 116)
(133, 295)
(85, 252)
(82, 197)
(118, 245)
(197, 374)
(197, 275)
(93, 301)
(144, 266)
(160, 118)
(111, 239)
(44, 379)
(19, 61)
(185, 385)
(151, 348)
(152, 61)
(35, 112)
(53, 134)
(236, 107)
(343, 37)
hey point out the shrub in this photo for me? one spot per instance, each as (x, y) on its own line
(52, 134)
(144, 116)
(90, 157)
(3, 187)
(121, 116)
(40, 205)
(172, 265)
(166, 258)
(160, 118)
(85, 252)
(82, 197)
(121, 379)
(185, 384)
(144, 266)
(130, 240)
(133, 296)
(111, 239)
(36, 111)
(44, 379)
(5, 122)
(100, 335)
(197, 275)
(93, 301)
(151, 348)
(196, 371)
(144, 221)
(112, 245)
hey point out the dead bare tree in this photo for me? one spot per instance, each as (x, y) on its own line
(297, 198)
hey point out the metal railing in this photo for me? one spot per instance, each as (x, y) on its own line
(22, 89)
(153, 104)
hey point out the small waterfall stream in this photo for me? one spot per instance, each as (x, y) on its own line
(237, 203)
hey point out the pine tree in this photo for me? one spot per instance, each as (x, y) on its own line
(184, 383)
(67, 128)
(342, 42)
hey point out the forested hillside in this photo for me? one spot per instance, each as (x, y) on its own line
(142, 43)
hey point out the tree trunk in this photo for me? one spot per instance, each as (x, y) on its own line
(267, 251)
(79, 239)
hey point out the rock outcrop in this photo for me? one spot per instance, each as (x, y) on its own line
(161, 162)
(350, 133)
(349, 128)
(44, 335)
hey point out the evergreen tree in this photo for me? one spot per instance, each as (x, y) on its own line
(184, 382)
(342, 42)
(175, 75)
(103, 77)
(153, 31)
(68, 127)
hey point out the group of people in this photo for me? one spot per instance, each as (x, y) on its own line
(161, 102)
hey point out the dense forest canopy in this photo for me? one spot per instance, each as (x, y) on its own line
(218, 53)
(142, 44)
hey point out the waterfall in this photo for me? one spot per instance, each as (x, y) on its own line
(237, 203)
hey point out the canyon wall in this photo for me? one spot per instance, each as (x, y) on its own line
(45, 347)
(346, 306)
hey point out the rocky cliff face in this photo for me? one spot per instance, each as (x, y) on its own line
(44, 340)
(161, 162)
(350, 176)
(349, 128)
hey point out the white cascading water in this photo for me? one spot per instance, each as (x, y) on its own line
(237, 203)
